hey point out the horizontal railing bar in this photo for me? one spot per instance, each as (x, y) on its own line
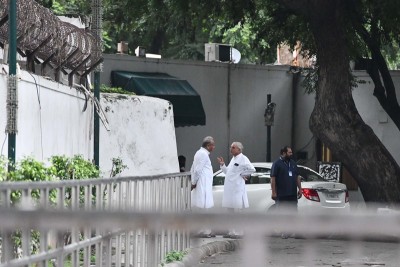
(351, 224)
(84, 182)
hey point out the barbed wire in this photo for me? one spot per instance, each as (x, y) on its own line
(44, 36)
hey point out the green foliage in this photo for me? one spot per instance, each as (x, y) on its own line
(117, 166)
(70, 7)
(117, 90)
(73, 168)
(391, 52)
(57, 8)
(3, 168)
(29, 169)
(310, 80)
(174, 256)
(34, 244)
(179, 28)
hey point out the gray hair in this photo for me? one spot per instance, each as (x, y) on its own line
(207, 140)
(239, 145)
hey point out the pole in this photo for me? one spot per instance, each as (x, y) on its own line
(12, 100)
(268, 134)
(97, 12)
(12, 107)
(96, 125)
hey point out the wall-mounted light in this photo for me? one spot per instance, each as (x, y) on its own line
(269, 114)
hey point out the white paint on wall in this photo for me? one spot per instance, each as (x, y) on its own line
(52, 121)
(142, 133)
(372, 112)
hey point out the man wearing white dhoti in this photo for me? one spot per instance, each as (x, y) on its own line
(202, 180)
(236, 173)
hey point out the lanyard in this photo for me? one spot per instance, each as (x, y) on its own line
(286, 163)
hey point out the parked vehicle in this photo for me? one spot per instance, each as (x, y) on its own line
(318, 193)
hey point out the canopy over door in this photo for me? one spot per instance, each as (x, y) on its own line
(188, 109)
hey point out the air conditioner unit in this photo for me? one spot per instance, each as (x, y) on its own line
(218, 52)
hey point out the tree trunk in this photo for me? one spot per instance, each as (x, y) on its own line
(335, 119)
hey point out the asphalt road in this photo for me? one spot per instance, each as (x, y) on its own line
(315, 252)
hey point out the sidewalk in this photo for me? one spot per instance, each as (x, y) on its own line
(201, 248)
(209, 252)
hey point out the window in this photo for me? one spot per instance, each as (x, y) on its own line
(309, 175)
(261, 176)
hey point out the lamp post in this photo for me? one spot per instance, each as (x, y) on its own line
(269, 121)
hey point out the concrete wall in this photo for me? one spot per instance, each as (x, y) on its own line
(374, 115)
(368, 107)
(141, 132)
(234, 98)
(51, 121)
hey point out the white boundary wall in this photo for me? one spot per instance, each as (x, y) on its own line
(141, 132)
(51, 121)
(234, 98)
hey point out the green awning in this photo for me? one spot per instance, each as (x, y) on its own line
(188, 109)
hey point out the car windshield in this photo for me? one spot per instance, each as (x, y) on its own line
(263, 176)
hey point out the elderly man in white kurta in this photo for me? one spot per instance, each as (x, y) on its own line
(236, 173)
(202, 179)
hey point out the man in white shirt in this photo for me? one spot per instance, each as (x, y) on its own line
(236, 173)
(202, 180)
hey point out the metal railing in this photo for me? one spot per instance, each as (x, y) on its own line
(69, 243)
(259, 229)
(136, 221)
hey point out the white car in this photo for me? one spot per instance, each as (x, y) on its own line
(318, 193)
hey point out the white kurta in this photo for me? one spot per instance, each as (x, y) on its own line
(202, 176)
(235, 195)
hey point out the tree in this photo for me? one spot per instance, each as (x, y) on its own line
(335, 119)
(377, 25)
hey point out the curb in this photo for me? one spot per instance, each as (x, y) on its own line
(195, 255)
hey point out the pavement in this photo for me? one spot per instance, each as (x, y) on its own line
(202, 248)
(296, 252)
